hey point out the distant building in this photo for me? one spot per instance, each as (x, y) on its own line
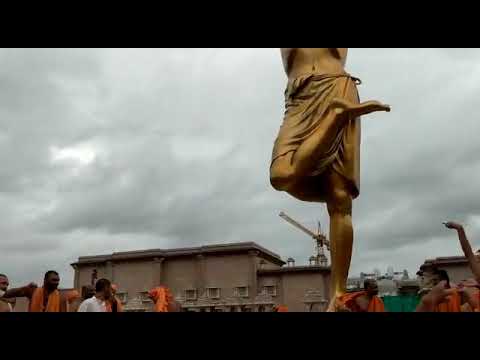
(391, 284)
(387, 287)
(241, 277)
(408, 287)
(354, 284)
(390, 272)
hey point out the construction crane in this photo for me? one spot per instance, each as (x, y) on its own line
(320, 239)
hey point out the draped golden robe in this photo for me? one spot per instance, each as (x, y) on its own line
(307, 102)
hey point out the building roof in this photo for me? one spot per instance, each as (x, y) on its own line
(169, 253)
(294, 269)
(447, 260)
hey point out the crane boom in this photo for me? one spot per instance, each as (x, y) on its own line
(303, 228)
(296, 224)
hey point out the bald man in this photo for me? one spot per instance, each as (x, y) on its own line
(6, 305)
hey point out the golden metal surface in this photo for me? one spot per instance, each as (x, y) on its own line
(316, 156)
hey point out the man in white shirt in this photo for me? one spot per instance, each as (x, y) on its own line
(97, 303)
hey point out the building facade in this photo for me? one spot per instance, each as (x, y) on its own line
(241, 277)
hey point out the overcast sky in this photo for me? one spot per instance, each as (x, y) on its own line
(110, 150)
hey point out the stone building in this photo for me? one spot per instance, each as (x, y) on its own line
(240, 277)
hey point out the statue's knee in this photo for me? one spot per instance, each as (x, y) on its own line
(280, 177)
(340, 201)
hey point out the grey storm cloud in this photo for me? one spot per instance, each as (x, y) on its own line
(120, 149)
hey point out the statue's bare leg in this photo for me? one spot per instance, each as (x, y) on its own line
(339, 205)
(287, 168)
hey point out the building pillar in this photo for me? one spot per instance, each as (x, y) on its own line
(157, 268)
(200, 278)
(280, 299)
(76, 279)
(109, 271)
(253, 255)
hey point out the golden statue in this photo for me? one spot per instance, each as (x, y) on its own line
(316, 156)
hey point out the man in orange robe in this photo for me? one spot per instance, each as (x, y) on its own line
(43, 299)
(453, 302)
(163, 299)
(470, 294)
(363, 301)
(435, 297)
(468, 252)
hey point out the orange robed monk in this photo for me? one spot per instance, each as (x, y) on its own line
(163, 299)
(453, 302)
(468, 252)
(43, 299)
(470, 293)
(73, 300)
(436, 296)
(363, 301)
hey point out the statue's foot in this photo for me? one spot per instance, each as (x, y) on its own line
(336, 305)
(332, 305)
(367, 107)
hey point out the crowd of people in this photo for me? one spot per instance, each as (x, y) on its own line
(437, 293)
(100, 297)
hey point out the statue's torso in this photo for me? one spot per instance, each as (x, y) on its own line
(301, 61)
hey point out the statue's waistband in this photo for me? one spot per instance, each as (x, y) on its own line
(320, 76)
(295, 84)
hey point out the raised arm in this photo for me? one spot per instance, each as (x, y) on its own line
(26, 291)
(466, 248)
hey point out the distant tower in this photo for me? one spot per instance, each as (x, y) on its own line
(377, 273)
(320, 240)
(290, 262)
(405, 275)
(321, 258)
(390, 272)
